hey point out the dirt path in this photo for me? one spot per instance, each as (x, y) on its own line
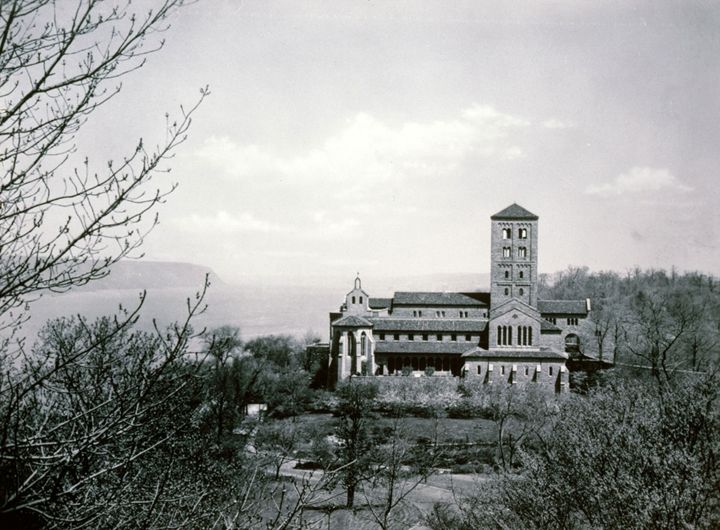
(442, 488)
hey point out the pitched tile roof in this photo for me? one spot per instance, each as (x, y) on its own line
(353, 321)
(422, 347)
(461, 325)
(380, 303)
(519, 354)
(562, 307)
(437, 299)
(514, 211)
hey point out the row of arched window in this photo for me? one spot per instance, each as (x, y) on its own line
(507, 233)
(505, 335)
(525, 337)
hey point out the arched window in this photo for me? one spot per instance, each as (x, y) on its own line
(522, 291)
(572, 343)
(507, 291)
(353, 299)
(507, 274)
(504, 335)
(524, 336)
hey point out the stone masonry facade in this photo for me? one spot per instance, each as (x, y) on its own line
(503, 336)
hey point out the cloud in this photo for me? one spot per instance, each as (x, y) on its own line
(553, 123)
(637, 236)
(639, 180)
(225, 223)
(368, 150)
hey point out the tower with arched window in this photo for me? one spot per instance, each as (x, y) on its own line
(513, 255)
(503, 336)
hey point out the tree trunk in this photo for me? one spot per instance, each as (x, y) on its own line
(350, 496)
(501, 429)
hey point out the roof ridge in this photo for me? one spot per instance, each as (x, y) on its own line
(515, 211)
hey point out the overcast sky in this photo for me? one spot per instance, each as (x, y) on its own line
(379, 137)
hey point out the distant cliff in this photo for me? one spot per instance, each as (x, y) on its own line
(257, 307)
(137, 275)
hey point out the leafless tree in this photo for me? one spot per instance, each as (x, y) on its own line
(82, 409)
(393, 481)
(87, 405)
(65, 219)
(660, 322)
(223, 346)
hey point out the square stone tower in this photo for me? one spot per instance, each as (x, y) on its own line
(513, 256)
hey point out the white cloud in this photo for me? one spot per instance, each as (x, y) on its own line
(225, 223)
(341, 228)
(553, 123)
(639, 180)
(368, 150)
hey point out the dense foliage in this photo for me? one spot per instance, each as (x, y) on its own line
(666, 321)
(627, 455)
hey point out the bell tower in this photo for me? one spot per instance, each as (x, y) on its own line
(357, 301)
(513, 256)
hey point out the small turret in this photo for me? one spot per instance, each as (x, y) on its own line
(357, 300)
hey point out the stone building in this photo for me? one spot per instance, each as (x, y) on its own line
(505, 335)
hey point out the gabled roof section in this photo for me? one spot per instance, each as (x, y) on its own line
(515, 354)
(380, 303)
(563, 307)
(353, 321)
(436, 299)
(513, 212)
(548, 327)
(514, 304)
(422, 347)
(461, 325)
